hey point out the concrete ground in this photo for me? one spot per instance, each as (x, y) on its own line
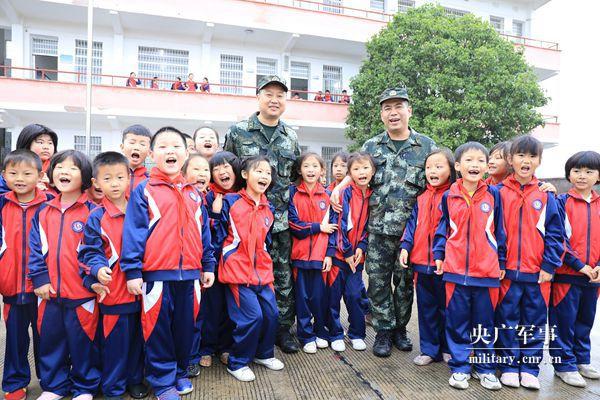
(360, 375)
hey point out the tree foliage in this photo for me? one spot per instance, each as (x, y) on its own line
(464, 80)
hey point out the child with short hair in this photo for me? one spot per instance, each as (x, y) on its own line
(468, 248)
(498, 167)
(196, 171)
(417, 248)
(346, 254)
(206, 140)
(214, 334)
(22, 170)
(67, 312)
(135, 145)
(577, 282)
(247, 270)
(308, 215)
(534, 244)
(166, 251)
(99, 254)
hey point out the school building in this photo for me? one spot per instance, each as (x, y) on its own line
(316, 45)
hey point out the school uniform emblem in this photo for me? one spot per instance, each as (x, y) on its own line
(322, 205)
(77, 226)
(537, 204)
(485, 207)
(267, 221)
(194, 196)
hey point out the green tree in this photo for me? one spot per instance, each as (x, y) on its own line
(465, 81)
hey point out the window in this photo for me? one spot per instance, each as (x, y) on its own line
(44, 46)
(81, 60)
(44, 54)
(517, 28)
(303, 149)
(327, 152)
(378, 5)
(299, 76)
(332, 79)
(332, 6)
(95, 145)
(167, 64)
(265, 67)
(405, 5)
(453, 12)
(232, 68)
(497, 23)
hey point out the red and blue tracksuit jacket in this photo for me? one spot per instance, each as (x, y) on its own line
(420, 228)
(470, 237)
(582, 237)
(15, 226)
(307, 210)
(533, 229)
(218, 227)
(166, 234)
(101, 247)
(245, 259)
(352, 225)
(54, 240)
(138, 175)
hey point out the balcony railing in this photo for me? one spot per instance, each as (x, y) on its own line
(52, 75)
(337, 8)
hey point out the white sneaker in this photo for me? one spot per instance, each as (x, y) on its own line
(358, 344)
(572, 378)
(49, 396)
(243, 374)
(488, 381)
(310, 348)
(338, 345)
(586, 370)
(459, 380)
(510, 379)
(271, 363)
(322, 343)
(423, 360)
(84, 396)
(529, 381)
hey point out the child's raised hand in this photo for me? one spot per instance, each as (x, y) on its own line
(439, 267)
(208, 278)
(403, 258)
(327, 262)
(44, 291)
(217, 205)
(544, 277)
(328, 228)
(104, 275)
(547, 187)
(134, 286)
(100, 290)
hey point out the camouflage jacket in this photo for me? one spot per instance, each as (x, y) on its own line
(399, 178)
(247, 138)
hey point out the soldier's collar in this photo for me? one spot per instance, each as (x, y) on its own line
(412, 138)
(255, 125)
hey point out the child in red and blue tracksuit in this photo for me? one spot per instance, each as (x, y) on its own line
(167, 242)
(469, 248)
(308, 214)
(67, 311)
(576, 284)
(534, 244)
(122, 342)
(417, 247)
(20, 304)
(344, 281)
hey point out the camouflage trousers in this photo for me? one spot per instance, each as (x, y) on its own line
(284, 283)
(390, 286)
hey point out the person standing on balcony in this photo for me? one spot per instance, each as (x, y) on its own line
(178, 85)
(133, 81)
(327, 96)
(154, 83)
(318, 96)
(205, 86)
(399, 155)
(264, 133)
(191, 85)
(345, 99)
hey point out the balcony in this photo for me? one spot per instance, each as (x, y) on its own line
(549, 133)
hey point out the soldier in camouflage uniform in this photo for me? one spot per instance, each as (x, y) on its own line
(264, 133)
(399, 155)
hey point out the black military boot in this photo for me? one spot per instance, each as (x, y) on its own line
(401, 340)
(383, 343)
(286, 342)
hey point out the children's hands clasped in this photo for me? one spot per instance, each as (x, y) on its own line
(591, 272)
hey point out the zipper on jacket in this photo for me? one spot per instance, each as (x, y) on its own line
(429, 249)
(23, 255)
(468, 245)
(589, 233)
(60, 235)
(519, 243)
(362, 207)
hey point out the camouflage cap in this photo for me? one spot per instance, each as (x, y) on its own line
(393, 93)
(271, 79)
